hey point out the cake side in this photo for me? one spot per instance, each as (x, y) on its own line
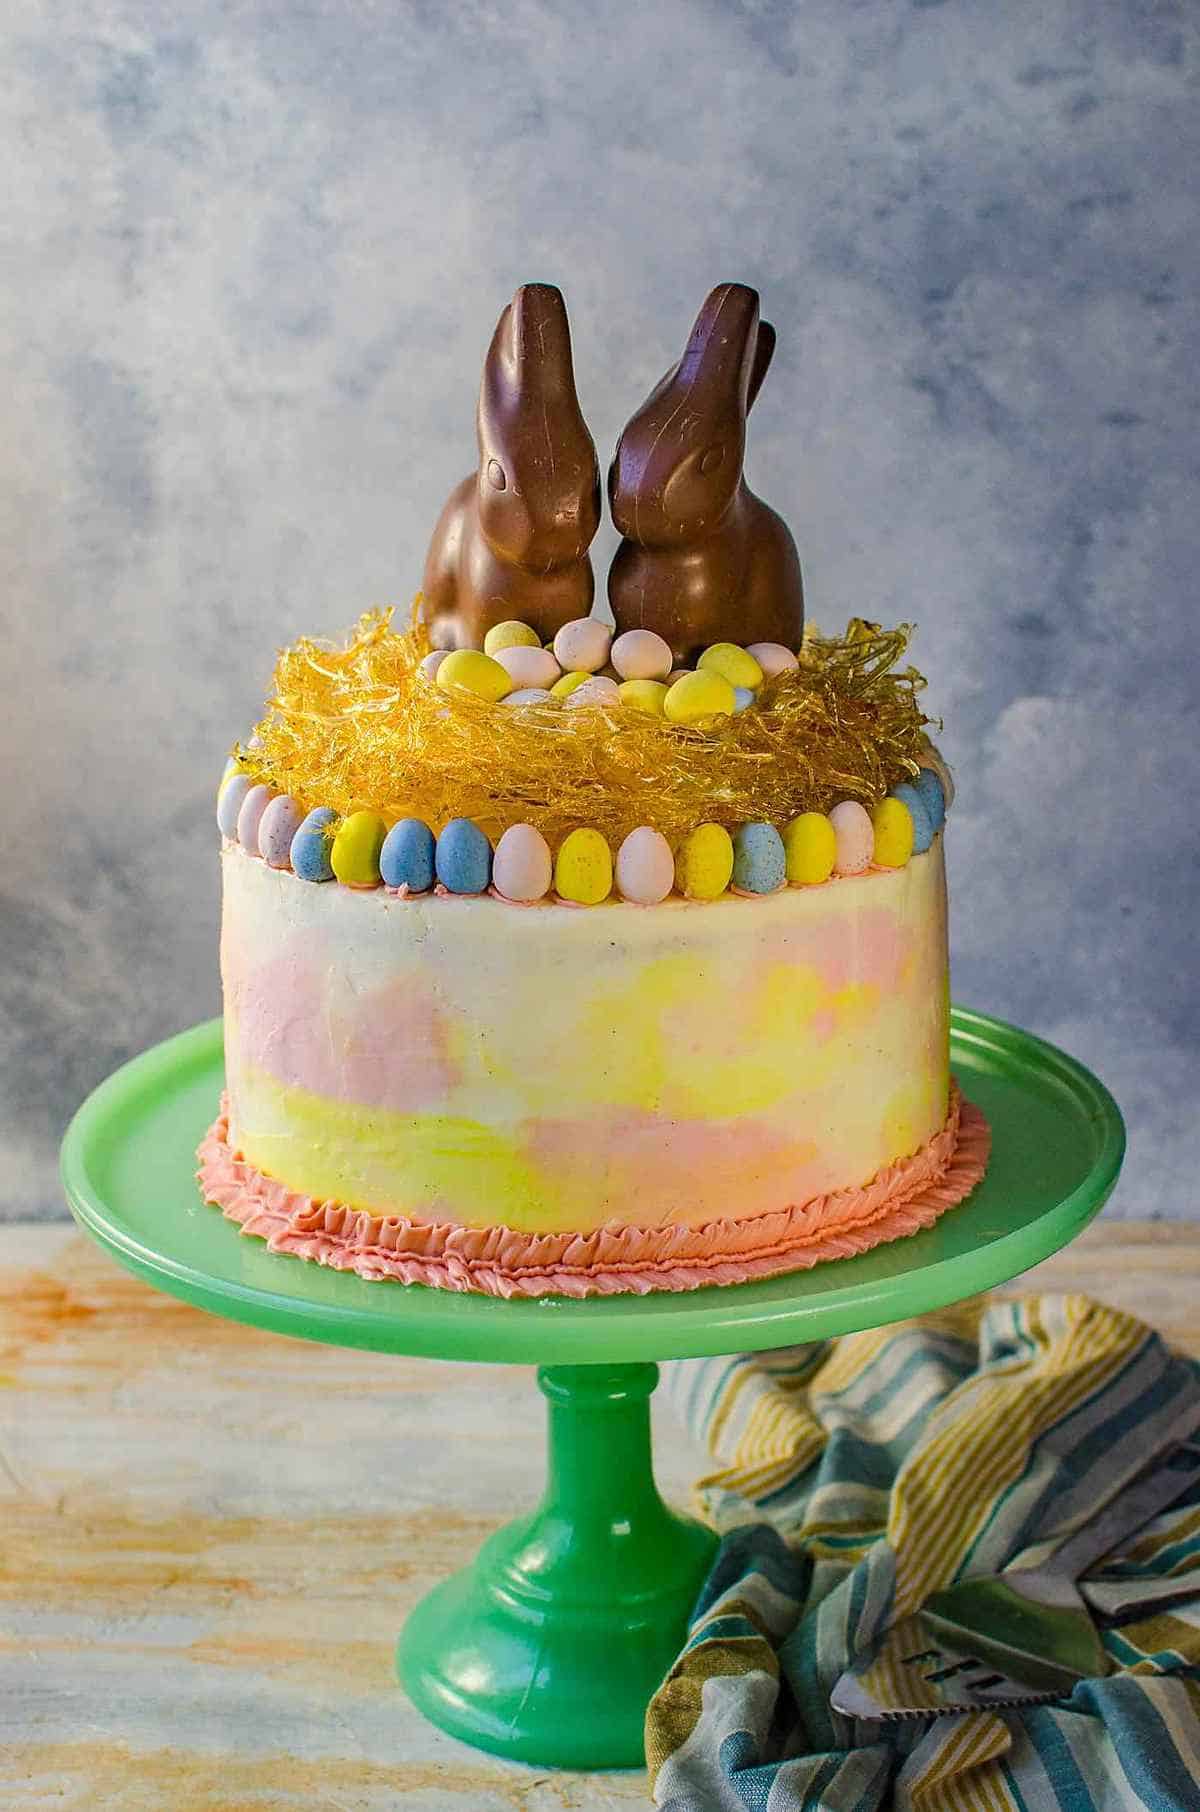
(468, 1061)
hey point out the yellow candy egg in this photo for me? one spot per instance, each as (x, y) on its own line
(583, 869)
(810, 849)
(735, 664)
(893, 833)
(570, 682)
(354, 857)
(474, 672)
(696, 696)
(704, 865)
(644, 695)
(510, 635)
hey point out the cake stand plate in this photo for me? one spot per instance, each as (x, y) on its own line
(548, 1647)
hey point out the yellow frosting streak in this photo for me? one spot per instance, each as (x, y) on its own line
(427, 1164)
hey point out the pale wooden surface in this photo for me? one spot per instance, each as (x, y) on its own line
(209, 1537)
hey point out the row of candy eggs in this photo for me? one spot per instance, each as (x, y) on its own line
(361, 851)
(513, 668)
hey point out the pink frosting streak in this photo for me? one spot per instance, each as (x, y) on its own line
(901, 1199)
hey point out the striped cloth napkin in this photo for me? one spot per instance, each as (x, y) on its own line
(856, 1477)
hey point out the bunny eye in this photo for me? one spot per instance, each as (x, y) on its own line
(712, 458)
(496, 478)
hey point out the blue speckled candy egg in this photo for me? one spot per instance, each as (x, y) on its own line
(463, 859)
(929, 786)
(742, 696)
(759, 859)
(922, 828)
(406, 859)
(313, 844)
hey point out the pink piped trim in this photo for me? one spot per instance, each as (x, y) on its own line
(901, 1199)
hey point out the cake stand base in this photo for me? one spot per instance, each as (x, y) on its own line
(548, 1648)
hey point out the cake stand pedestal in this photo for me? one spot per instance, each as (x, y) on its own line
(548, 1646)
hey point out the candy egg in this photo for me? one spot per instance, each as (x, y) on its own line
(522, 867)
(570, 682)
(936, 796)
(463, 859)
(759, 862)
(250, 817)
(773, 658)
(276, 828)
(594, 691)
(311, 845)
(697, 696)
(810, 848)
(645, 867)
(583, 645)
(855, 838)
(406, 858)
(230, 800)
(893, 826)
(640, 654)
(510, 635)
(474, 672)
(529, 666)
(431, 662)
(742, 696)
(643, 695)
(922, 828)
(583, 869)
(527, 695)
(354, 857)
(704, 865)
(735, 664)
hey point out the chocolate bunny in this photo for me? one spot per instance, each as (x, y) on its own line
(512, 539)
(703, 560)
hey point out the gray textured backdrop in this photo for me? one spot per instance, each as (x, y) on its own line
(252, 255)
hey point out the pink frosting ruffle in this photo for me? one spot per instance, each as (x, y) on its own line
(901, 1199)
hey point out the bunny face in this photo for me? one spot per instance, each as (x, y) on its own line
(678, 464)
(539, 482)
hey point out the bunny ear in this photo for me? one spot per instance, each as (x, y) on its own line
(764, 352)
(719, 360)
(531, 347)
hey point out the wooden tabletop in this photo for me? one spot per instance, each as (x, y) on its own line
(209, 1537)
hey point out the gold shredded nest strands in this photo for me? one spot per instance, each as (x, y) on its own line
(361, 727)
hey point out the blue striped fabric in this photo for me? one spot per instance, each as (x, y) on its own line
(854, 1478)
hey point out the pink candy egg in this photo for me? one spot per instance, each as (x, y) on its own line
(773, 658)
(276, 828)
(640, 654)
(253, 806)
(855, 837)
(432, 662)
(582, 646)
(522, 867)
(645, 867)
(595, 691)
(529, 666)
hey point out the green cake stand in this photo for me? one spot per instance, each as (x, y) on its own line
(547, 1648)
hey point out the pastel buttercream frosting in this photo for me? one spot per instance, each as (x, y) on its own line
(470, 1061)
